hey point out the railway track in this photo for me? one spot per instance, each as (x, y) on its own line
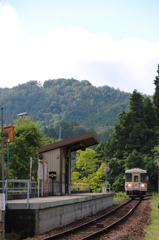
(100, 225)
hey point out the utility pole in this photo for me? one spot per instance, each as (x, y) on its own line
(60, 133)
(106, 174)
(11, 140)
(31, 160)
(158, 173)
(106, 169)
(3, 195)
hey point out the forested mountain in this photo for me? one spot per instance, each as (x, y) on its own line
(66, 100)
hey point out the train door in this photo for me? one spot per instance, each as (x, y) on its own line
(136, 179)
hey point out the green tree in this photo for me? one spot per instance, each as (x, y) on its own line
(97, 179)
(100, 154)
(152, 129)
(87, 170)
(134, 160)
(28, 138)
(156, 95)
(150, 164)
(116, 173)
(135, 129)
(75, 176)
(137, 122)
(86, 162)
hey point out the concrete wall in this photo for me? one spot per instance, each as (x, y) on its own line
(62, 215)
(29, 223)
(20, 224)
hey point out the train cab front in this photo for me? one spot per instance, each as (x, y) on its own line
(136, 182)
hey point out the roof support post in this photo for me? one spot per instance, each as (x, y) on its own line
(61, 169)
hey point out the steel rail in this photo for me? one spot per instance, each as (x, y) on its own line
(91, 236)
(72, 230)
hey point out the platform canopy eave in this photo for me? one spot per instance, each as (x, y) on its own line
(76, 143)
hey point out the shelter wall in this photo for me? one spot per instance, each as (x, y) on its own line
(56, 160)
(53, 159)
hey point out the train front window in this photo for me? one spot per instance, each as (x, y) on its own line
(128, 177)
(136, 178)
(143, 177)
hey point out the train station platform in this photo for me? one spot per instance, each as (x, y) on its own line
(46, 213)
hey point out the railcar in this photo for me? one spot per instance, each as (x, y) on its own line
(136, 182)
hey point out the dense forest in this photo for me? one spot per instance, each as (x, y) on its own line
(66, 101)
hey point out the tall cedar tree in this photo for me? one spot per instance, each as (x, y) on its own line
(156, 95)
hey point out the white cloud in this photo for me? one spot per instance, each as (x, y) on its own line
(128, 65)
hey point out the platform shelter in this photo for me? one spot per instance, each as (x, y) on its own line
(41, 215)
(58, 159)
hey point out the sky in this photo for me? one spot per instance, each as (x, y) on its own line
(107, 42)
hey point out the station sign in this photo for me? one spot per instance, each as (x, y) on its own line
(2, 202)
(40, 171)
(106, 168)
(8, 134)
(52, 174)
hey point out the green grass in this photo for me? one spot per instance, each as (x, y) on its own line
(79, 186)
(152, 231)
(119, 196)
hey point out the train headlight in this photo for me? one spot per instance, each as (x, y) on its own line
(142, 185)
(129, 185)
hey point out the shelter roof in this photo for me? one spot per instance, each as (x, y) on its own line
(76, 143)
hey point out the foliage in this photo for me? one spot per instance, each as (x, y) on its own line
(97, 179)
(75, 176)
(86, 162)
(79, 186)
(156, 95)
(118, 196)
(28, 138)
(100, 153)
(68, 130)
(87, 170)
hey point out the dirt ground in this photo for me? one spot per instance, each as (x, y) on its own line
(133, 228)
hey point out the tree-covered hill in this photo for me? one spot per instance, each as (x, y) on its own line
(65, 100)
